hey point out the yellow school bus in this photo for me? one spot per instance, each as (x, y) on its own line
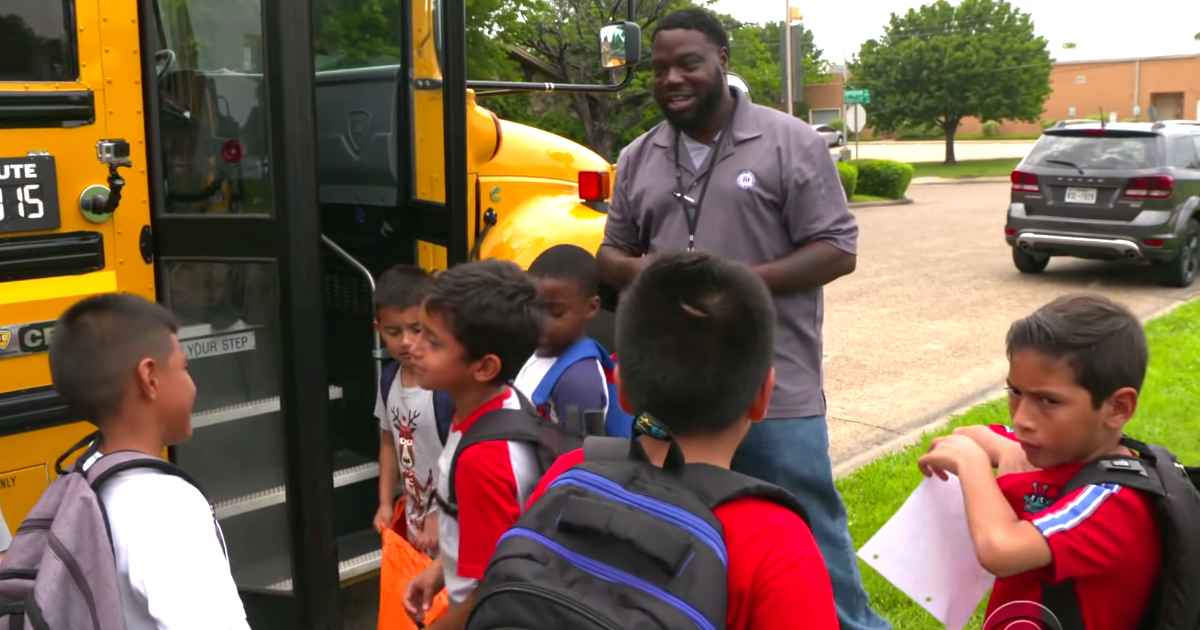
(199, 152)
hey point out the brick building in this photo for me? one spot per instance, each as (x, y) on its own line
(1149, 88)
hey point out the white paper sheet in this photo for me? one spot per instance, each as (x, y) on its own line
(926, 551)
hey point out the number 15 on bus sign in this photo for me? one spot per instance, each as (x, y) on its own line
(28, 194)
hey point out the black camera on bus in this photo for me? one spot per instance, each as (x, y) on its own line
(113, 152)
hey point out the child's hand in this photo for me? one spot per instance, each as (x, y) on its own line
(383, 517)
(951, 454)
(426, 539)
(421, 590)
(1013, 460)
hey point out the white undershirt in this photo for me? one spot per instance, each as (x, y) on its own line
(698, 150)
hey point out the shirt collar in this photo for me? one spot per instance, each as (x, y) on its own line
(493, 404)
(743, 127)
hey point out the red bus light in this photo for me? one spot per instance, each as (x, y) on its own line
(593, 185)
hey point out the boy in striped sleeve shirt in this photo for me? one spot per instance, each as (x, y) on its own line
(1076, 366)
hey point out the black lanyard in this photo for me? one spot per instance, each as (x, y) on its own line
(691, 207)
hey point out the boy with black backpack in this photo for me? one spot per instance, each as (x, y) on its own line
(5, 536)
(125, 540)
(479, 323)
(413, 421)
(569, 377)
(1096, 527)
(611, 540)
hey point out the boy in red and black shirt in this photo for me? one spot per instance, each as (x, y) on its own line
(695, 335)
(479, 323)
(1075, 368)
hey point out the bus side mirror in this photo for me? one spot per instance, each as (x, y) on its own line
(620, 45)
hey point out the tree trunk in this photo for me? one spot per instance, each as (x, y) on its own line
(951, 128)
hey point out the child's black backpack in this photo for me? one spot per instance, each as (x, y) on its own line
(549, 440)
(1176, 601)
(618, 544)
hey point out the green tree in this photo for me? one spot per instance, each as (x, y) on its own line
(940, 63)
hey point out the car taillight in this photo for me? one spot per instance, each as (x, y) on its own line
(1010, 231)
(593, 185)
(1024, 182)
(1153, 242)
(1156, 187)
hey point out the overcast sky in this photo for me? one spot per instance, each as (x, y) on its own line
(1101, 29)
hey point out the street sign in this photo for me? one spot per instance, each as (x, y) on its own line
(856, 118)
(861, 97)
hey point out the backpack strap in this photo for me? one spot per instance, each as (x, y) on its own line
(510, 425)
(1138, 473)
(717, 486)
(387, 376)
(585, 348)
(443, 413)
(112, 464)
(599, 448)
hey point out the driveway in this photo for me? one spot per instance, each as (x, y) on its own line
(918, 329)
(935, 151)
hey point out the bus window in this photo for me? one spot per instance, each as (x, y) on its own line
(213, 110)
(354, 34)
(37, 40)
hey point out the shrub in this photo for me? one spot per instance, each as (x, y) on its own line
(838, 123)
(883, 178)
(849, 175)
(991, 129)
(918, 132)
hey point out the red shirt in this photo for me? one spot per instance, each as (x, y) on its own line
(492, 482)
(776, 576)
(1104, 537)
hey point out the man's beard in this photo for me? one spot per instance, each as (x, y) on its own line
(700, 116)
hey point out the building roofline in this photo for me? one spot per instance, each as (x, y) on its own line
(1083, 62)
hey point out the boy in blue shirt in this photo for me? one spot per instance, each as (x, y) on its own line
(569, 374)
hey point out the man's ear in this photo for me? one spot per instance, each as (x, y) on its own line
(486, 370)
(1120, 407)
(146, 374)
(621, 398)
(762, 400)
(723, 56)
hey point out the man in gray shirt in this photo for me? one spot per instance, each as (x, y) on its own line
(749, 183)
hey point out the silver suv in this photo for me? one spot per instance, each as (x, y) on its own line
(1110, 191)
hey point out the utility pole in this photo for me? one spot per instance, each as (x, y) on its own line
(787, 54)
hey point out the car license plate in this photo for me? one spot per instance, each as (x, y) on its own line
(28, 194)
(1081, 195)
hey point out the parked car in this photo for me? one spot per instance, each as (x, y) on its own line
(833, 137)
(1110, 191)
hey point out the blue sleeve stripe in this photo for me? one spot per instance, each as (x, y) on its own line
(1077, 511)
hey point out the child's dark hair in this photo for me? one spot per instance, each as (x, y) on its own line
(1101, 340)
(695, 341)
(98, 344)
(569, 262)
(491, 307)
(695, 19)
(402, 286)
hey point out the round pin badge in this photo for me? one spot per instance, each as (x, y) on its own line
(745, 180)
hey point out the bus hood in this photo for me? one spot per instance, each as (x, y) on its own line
(531, 152)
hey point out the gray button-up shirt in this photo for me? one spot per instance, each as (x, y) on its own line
(773, 189)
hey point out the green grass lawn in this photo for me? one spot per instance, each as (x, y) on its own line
(966, 168)
(864, 198)
(1166, 415)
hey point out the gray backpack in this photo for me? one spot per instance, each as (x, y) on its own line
(60, 572)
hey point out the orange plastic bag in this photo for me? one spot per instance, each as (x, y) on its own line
(400, 564)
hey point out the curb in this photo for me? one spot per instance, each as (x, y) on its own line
(917, 430)
(880, 204)
(956, 181)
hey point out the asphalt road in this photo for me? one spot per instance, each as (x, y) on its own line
(935, 151)
(919, 328)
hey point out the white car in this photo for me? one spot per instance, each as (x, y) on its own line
(833, 137)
